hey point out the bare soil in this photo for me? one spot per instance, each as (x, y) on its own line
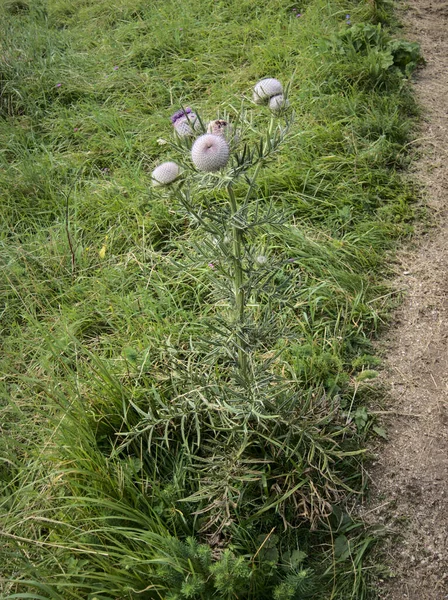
(409, 480)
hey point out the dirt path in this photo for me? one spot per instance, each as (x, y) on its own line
(410, 479)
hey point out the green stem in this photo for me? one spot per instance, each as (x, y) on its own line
(240, 300)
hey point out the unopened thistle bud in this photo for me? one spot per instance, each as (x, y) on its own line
(266, 88)
(185, 122)
(278, 103)
(165, 173)
(210, 152)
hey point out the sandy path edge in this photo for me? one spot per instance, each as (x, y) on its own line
(409, 480)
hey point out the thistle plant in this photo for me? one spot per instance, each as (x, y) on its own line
(241, 274)
(227, 407)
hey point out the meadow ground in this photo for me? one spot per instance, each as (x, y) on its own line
(188, 374)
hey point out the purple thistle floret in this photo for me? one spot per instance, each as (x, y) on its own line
(179, 114)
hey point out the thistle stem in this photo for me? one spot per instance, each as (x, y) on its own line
(240, 300)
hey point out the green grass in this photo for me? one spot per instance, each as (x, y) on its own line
(121, 475)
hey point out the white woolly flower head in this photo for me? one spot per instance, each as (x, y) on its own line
(165, 173)
(185, 122)
(266, 88)
(278, 103)
(187, 126)
(210, 152)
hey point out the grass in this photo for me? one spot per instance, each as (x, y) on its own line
(135, 464)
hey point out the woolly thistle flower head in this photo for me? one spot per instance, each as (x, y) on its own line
(218, 127)
(278, 103)
(210, 152)
(165, 173)
(266, 88)
(185, 122)
(224, 129)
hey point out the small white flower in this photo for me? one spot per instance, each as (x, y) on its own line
(266, 88)
(165, 173)
(278, 103)
(161, 142)
(210, 152)
(261, 259)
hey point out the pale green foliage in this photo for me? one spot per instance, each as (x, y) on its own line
(294, 586)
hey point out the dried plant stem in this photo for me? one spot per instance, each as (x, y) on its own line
(240, 300)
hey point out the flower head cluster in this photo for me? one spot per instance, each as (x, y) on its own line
(265, 89)
(210, 152)
(270, 91)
